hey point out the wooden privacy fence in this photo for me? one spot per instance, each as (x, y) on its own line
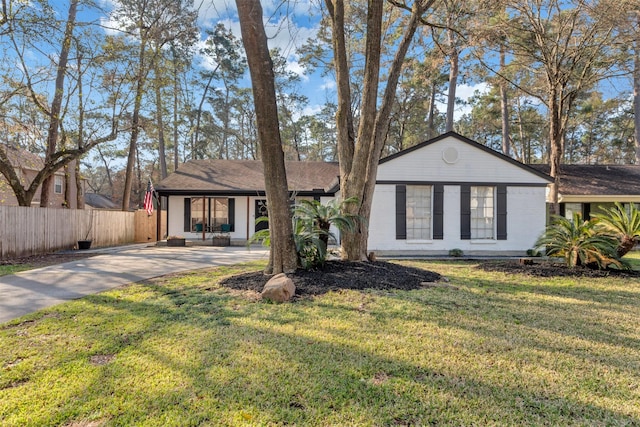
(146, 226)
(26, 231)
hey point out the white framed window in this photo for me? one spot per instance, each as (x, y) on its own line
(215, 210)
(482, 212)
(58, 184)
(419, 212)
(571, 208)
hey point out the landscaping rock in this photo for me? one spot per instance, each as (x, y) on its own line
(279, 288)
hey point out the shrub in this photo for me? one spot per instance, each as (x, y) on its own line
(456, 253)
(579, 243)
(622, 224)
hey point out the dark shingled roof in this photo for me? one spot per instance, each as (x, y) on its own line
(597, 180)
(19, 157)
(246, 177)
(98, 201)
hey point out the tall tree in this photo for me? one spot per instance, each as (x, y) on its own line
(487, 32)
(415, 116)
(224, 50)
(153, 24)
(359, 153)
(30, 29)
(282, 256)
(290, 101)
(56, 104)
(636, 85)
(568, 52)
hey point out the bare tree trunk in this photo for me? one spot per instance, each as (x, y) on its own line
(225, 134)
(77, 176)
(344, 115)
(383, 119)
(355, 183)
(358, 178)
(555, 157)
(196, 139)
(432, 111)
(176, 88)
(67, 186)
(636, 92)
(283, 257)
(162, 155)
(504, 107)
(526, 143)
(107, 169)
(56, 104)
(454, 58)
(79, 187)
(135, 128)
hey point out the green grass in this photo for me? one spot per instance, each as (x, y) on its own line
(634, 258)
(12, 269)
(181, 351)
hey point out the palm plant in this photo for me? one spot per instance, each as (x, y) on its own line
(579, 243)
(312, 223)
(622, 224)
(312, 251)
(322, 217)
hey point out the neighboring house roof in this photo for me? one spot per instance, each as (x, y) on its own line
(25, 160)
(98, 201)
(597, 182)
(240, 177)
(19, 157)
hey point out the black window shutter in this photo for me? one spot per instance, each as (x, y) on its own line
(438, 212)
(401, 212)
(232, 213)
(465, 212)
(501, 206)
(586, 211)
(187, 215)
(563, 209)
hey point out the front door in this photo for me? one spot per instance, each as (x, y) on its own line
(261, 210)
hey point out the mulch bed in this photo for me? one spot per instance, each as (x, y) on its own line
(545, 268)
(336, 275)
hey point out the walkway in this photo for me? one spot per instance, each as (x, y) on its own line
(29, 291)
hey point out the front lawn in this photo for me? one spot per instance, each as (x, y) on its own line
(487, 349)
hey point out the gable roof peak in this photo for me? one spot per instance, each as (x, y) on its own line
(471, 142)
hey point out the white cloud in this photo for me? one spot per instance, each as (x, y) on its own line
(312, 110)
(288, 25)
(295, 67)
(209, 13)
(463, 93)
(328, 84)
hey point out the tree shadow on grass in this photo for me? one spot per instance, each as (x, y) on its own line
(242, 362)
(191, 355)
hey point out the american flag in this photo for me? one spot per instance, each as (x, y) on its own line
(148, 198)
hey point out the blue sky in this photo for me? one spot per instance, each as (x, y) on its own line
(289, 24)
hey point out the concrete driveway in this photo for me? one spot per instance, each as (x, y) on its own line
(29, 291)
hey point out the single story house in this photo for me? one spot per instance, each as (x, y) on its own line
(588, 188)
(446, 193)
(209, 197)
(453, 193)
